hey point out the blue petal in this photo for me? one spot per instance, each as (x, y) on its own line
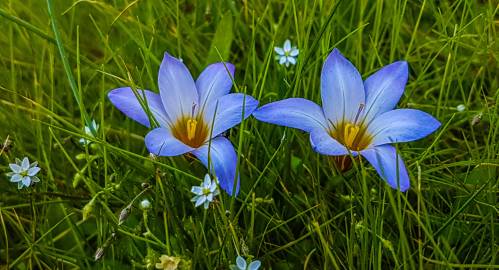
(215, 81)
(291, 60)
(279, 51)
(161, 142)
(254, 265)
(384, 88)
(197, 190)
(323, 143)
(207, 181)
(294, 52)
(229, 111)
(282, 60)
(26, 181)
(401, 125)
(223, 161)
(176, 88)
(200, 200)
(342, 89)
(287, 45)
(33, 171)
(25, 164)
(297, 113)
(126, 101)
(15, 168)
(241, 263)
(16, 178)
(383, 158)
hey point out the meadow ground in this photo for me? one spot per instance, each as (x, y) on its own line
(295, 209)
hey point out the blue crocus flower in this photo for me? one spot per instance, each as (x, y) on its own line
(357, 117)
(191, 115)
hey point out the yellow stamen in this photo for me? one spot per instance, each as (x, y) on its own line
(350, 133)
(191, 128)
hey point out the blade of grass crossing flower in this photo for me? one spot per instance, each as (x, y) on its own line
(67, 68)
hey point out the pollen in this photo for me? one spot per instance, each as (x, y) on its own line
(191, 128)
(350, 133)
(192, 131)
(354, 136)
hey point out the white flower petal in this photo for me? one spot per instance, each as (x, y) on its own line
(25, 164)
(15, 168)
(200, 201)
(287, 45)
(16, 178)
(26, 181)
(279, 51)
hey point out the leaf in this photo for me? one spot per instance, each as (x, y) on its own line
(222, 40)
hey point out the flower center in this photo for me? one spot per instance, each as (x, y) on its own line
(206, 191)
(353, 136)
(192, 131)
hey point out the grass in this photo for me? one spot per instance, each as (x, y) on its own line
(295, 210)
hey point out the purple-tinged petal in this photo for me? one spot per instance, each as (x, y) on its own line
(176, 88)
(389, 165)
(15, 168)
(384, 88)
(161, 142)
(323, 143)
(401, 125)
(33, 171)
(214, 82)
(229, 111)
(297, 113)
(126, 101)
(342, 89)
(279, 51)
(223, 160)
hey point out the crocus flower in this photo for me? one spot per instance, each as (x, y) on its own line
(205, 193)
(88, 131)
(357, 117)
(23, 172)
(191, 115)
(242, 265)
(287, 54)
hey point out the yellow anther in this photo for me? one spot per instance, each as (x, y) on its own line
(191, 128)
(351, 132)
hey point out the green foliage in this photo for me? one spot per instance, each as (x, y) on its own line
(295, 209)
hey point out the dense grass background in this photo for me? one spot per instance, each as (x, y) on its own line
(295, 210)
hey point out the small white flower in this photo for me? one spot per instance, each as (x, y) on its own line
(205, 193)
(145, 204)
(88, 131)
(23, 172)
(460, 108)
(287, 54)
